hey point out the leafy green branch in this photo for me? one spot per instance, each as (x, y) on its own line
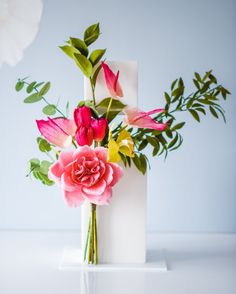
(207, 96)
(37, 92)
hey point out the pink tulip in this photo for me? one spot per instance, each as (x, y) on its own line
(112, 81)
(84, 136)
(82, 116)
(84, 133)
(141, 119)
(85, 174)
(58, 131)
(99, 128)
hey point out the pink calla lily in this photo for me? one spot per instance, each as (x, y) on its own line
(141, 119)
(112, 82)
(58, 131)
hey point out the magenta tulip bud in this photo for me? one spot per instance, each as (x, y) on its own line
(84, 136)
(99, 128)
(82, 116)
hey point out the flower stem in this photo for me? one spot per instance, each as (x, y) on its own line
(87, 240)
(90, 250)
(109, 107)
(95, 239)
(93, 92)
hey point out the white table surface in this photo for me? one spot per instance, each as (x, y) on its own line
(197, 264)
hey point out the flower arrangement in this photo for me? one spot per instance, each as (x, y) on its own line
(88, 151)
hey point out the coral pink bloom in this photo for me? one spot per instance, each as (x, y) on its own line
(141, 119)
(85, 174)
(112, 81)
(99, 128)
(58, 131)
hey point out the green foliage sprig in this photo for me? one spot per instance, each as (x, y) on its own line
(206, 97)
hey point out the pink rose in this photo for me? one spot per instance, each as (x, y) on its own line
(84, 173)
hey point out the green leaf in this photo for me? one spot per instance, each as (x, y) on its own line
(195, 114)
(221, 112)
(95, 74)
(162, 139)
(136, 161)
(19, 86)
(79, 45)
(143, 164)
(196, 84)
(178, 145)
(174, 141)
(156, 150)
(178, 126)
(128, 160)
(69, 50)
(91, 34)
(189, 103)
(198, 77)
(152, 140)
(45, 89)
(34, 163)
(167, 97)
(43, 145)
(30, 87)
(213, 112)
(177, 93)
(96, 56)
(206, 75)
(205, 87)
(169, 133)
(44, 167)
(42, 177)
(116, 105)
(49, 109)
(115, 109)
(33, 98)
(205, 101)
(202, 110)
(123, 158)
(84, 64)
(142, 145)
(173, 84)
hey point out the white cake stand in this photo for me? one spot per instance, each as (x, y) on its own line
(72, 259)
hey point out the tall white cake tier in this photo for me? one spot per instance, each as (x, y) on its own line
(122, 224)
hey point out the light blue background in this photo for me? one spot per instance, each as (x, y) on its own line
(194, 190)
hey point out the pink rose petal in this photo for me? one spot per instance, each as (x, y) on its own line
(74, 198)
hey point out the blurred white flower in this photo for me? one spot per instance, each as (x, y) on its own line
(19, 20)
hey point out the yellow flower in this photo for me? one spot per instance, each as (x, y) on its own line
(124, 144)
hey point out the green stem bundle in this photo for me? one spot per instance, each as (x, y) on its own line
(91, 251)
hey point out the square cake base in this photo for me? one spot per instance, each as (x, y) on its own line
(72, 259)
